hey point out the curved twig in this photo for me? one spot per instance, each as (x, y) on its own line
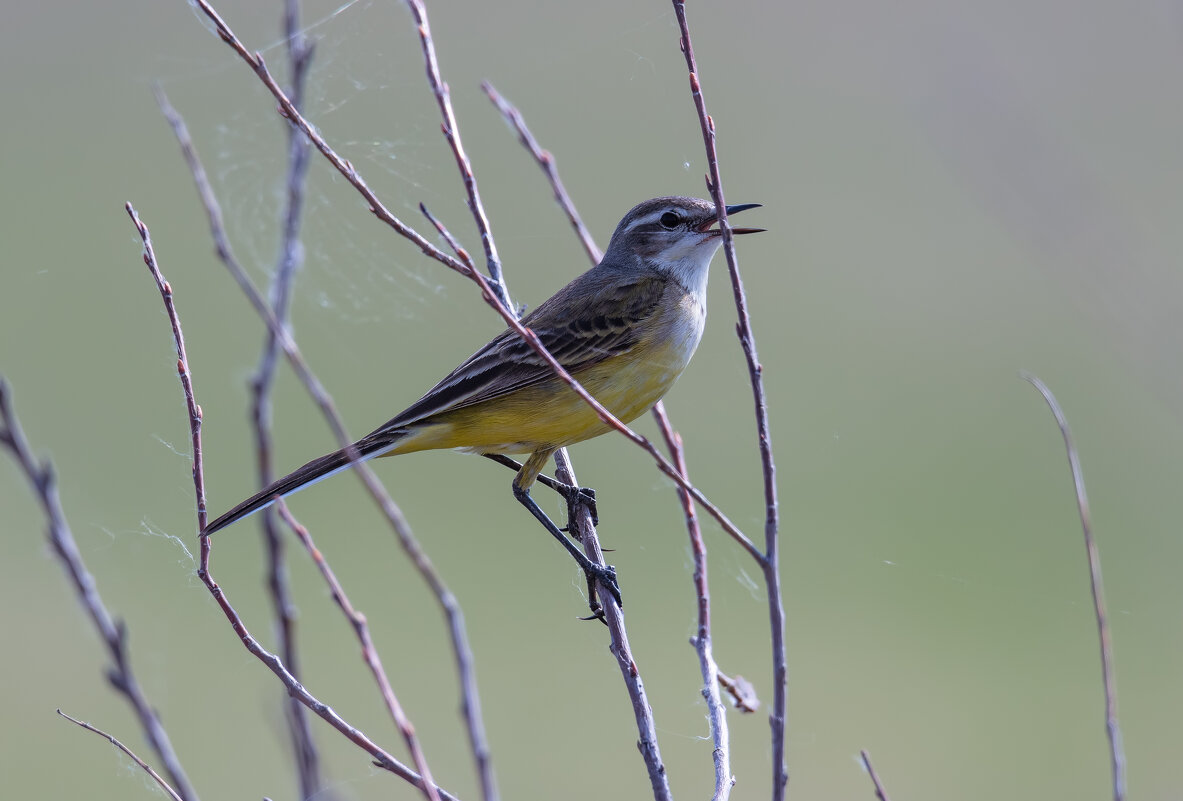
(1108, 680)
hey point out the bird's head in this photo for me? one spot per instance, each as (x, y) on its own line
(672, 228)
(672, 234)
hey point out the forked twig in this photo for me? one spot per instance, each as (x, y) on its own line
(769, 560)
(112, 632)
(143, 765)
(381, 757)
(1112, 728)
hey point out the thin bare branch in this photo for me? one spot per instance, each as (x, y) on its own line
(291, 257)
(143, 765)
(716, 711)
(452, 241)
(613, 617)
(1108, 679)
(370, 654)
(451, 131)
(880, 792)
(112, 632)
(547, 162)
(770, 561)
(274, 663)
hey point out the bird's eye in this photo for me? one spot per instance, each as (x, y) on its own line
(670, 219)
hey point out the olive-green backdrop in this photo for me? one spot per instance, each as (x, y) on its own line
(953, 192)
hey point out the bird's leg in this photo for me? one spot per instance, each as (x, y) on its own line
(574, 496)
(605, 574)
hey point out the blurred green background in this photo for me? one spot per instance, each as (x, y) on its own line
(954, 192)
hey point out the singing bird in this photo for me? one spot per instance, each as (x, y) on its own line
(625, 330)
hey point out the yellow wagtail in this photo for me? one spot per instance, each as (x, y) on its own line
(625, 330)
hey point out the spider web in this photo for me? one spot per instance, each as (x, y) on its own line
(365, 79)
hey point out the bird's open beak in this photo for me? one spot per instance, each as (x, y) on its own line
(735, 209)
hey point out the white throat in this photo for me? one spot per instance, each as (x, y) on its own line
(689, 263)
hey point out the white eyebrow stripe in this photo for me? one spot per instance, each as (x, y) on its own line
(651, 217)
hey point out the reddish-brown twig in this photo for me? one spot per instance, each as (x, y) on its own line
(143, 765)
(362, 629)
(382, 758)
(770, 559)
(291, 256)
(112, 632)
(547, 162)
(742, 693)
(452, 241)
(880, 792)
(1108, 680)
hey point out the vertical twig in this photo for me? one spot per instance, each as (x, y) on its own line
(771, 556)
(716, 711)
(1112, 728)
(613, 617)
(291, 256)
(880, 791)
(112, 632)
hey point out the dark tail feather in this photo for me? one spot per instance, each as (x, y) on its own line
(310, 473)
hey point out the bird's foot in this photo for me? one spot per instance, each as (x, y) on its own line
(601, 576)
(577, 497)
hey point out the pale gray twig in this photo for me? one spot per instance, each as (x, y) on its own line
(112, 632)
(291, 256)
(716, 711)
(1108, 679)
(880, 791)
(131, 754)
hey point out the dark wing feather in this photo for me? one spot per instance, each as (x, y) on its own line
(608, 321)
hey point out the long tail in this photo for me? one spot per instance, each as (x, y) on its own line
(318, 469)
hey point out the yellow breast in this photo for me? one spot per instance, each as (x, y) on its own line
(551, 415)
